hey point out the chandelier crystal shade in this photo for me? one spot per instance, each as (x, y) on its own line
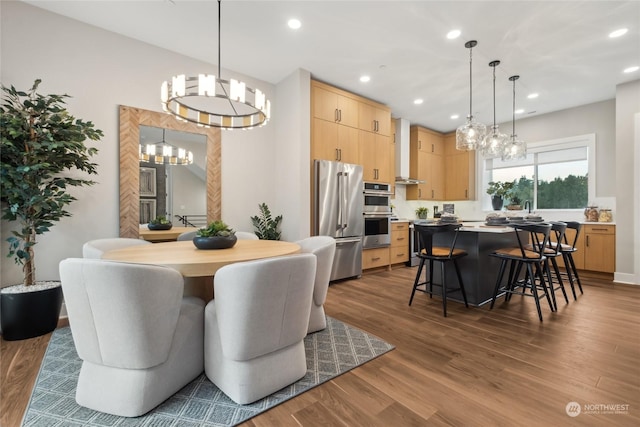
(494, 143)
(469, 135)
(210, 101)
(163, 153)
(515, 149)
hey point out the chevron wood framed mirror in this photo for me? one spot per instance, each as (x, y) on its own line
(130, 120)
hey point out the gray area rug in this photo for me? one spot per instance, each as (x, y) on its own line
(331, 352)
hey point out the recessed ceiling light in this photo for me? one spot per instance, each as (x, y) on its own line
(519, 111)
(418, 101)
(618, 33)
(294, 23)
(454, 116)
(365, 79)
(532, 95)
(453, 34)
(631, 69)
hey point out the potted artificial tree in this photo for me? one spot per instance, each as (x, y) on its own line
(41, 144)
(498, 191)
(266, 227)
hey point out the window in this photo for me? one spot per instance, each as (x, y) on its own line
(556, 174)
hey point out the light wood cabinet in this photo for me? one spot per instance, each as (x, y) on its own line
(460, 171)
(374, 152)
(399, 250)
(332, 141)
(333, 105)
(595, 248)
(377, 257)
(374, 119)
(426, 163)
(599, 247)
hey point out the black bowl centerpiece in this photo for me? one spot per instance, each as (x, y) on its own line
(216, 235)
(160, 223)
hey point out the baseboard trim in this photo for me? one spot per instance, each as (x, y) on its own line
(626, 278)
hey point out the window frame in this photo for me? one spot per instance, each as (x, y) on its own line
(578, 141)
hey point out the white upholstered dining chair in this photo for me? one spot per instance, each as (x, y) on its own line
(95, 248)
(255, 326)
(139, 339)
(246, 235)
(187, 235)
(324, 248)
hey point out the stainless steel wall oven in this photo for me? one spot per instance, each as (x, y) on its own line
(377, 215)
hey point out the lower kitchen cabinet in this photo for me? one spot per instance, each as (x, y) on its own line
(596, 248)
(599, 247)
(377, 257)
(399, 250)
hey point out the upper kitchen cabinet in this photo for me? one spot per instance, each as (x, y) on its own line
(426, 154)
(334, 105)
(348, 128)
(374, 118)
(332, 141)
(374, 150)
(460, 171)
(427, 140)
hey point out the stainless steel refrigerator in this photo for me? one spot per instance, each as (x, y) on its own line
(339, 206)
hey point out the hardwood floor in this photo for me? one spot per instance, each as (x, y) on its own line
(477, 367)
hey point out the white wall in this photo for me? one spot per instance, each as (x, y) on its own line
(598, 118)
(627, 163)
(102, 70)
(291, 168)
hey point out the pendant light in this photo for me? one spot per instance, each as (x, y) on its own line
(163, 153)
(515, 149)
(493, 144)
(208, 100)
(469, 135)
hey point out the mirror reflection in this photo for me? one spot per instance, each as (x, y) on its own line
(177, 191)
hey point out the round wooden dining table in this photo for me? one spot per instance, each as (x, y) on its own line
(193, 262)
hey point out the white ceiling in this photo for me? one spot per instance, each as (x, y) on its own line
(561, 49)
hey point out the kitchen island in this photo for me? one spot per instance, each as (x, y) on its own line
(479, 270)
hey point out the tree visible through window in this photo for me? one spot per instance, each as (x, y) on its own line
(553, 176)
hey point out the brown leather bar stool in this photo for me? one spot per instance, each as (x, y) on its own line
(439, 254)
(534, 261)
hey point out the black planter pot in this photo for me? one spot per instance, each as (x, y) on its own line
(215, 242)
(30, 314)
(159, 226)
(497, 202)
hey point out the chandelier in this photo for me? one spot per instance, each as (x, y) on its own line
(163, 153)
(493, 144)
(514, 149)
(208, 100)
(469, 135)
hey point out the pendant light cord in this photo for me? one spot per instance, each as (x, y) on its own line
(494, 96)
(226, 95)
(470, 83)
(219, 20)
(513, 122)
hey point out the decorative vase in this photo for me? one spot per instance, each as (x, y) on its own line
(496, 203)
(160, 226)
(215, 242)
(30, 314)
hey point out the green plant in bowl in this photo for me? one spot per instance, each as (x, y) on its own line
(422, 212)
(216, 228)
(216, 235)
(160, 220)
(160, 223)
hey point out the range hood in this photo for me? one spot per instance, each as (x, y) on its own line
(402, 154)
